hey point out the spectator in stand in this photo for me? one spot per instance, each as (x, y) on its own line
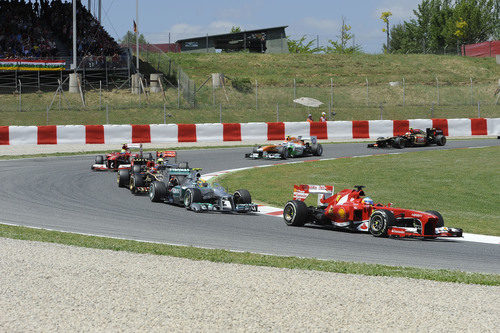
(310, 118)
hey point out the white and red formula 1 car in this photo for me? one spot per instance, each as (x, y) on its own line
(351, 209)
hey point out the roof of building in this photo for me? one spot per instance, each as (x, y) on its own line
(231, 33)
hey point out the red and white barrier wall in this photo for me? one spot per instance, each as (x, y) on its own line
(174, 133)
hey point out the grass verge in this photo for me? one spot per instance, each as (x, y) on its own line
(224, 256)
(462, 184)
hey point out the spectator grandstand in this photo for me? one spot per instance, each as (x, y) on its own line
(44, 29)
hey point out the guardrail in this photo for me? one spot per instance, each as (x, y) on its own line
(238, 132)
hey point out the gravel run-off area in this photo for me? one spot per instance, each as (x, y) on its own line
(50, 287)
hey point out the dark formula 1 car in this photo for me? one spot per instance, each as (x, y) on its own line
(412, 138)
(118, 160)
(291, 147)
(184, 187)
(350, 209)
(143, 171)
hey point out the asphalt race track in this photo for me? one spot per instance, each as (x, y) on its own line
(62, 193)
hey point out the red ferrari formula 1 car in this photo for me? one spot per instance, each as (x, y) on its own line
(118, 160)
(351, 209)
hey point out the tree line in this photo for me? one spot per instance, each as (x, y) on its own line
(441, 25)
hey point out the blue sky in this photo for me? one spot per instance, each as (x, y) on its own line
(184, 19)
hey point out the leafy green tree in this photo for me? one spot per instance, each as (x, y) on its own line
(129, 38)
(340, 45)
(473, 21)
(302, 46)
(441, 24)
(235, 29)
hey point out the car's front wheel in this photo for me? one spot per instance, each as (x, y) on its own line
(295, 213)
(123, 177)
(242, 196)
(380, 222)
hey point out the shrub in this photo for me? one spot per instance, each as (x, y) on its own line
(242, 84)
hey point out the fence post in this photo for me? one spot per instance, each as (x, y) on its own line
(432, 110)
(367, 93)
(164, 113)
(39, 81)
(107, 114)
(100, 94)
(278, 112)
(471, 99)
(47, 121)
(178, 94)
(404, 93)
(20, 96)
(437, 89)
(256, 96)
(479, 109)
(381, 111)
(213, 93)
(331, 91)
(294, 91)
(220, 113)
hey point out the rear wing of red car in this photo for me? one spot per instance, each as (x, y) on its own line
(301, 192)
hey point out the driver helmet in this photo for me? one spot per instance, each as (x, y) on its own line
(159, 161)
(202, 182)
(367, 201)
(123, 151)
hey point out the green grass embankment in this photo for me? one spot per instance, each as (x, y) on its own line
(275, 74)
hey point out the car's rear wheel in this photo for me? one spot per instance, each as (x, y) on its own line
(123, 177)
(317, 149)
(399, 143)
(380, 222)
(242, 196)
(136, 169)
(283, 152)
(99, 159)
(440, 140)
(295, 213)
(157, 191)
(192, 195)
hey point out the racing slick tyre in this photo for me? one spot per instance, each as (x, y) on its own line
(150, 156)
(183, 165)
(99, 159)
(123, 178)
(440, 140)
(192, 195)
(242, 196)
(295, 213)
(380, 221)
(399, 143)
(440, 222)
(283, 152)
(157, 191)
(136, 169)
(317, 149)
